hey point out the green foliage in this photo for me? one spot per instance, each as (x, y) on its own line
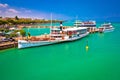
(16, 20)
(29, 34)
(13, 35)
(3, 22)
(22, 32)
(16, 31)
(4, 30)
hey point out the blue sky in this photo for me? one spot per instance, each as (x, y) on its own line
(107, 10)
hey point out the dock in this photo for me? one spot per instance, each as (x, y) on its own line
(6, 45)
(93, 30)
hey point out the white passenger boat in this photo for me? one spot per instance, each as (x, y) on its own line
(57, 35)
(106, 27)
(91, 25)
(85, 23)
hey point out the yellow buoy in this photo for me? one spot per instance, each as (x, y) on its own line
(87, 47)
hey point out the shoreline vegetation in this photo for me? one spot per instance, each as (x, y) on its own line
(8, 22)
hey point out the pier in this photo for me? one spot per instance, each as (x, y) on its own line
(93, 30)
(6, 45)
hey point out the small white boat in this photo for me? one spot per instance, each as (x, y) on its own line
(57, 35)
(106, 27)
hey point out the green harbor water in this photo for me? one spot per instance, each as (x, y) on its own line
(65, 61)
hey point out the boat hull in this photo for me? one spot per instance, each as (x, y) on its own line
(109, 30)
(106, 30)
(27, 44)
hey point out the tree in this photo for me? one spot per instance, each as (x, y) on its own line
(16, 17)
(22, 32)
(3, 22)
(0, 17)
(12, 35)
(29, 34)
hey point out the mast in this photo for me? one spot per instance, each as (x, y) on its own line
(76, 20)
(51, 23)
(28, 30)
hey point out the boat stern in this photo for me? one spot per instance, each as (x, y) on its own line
(21, 44)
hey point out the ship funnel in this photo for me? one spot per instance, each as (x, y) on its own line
(61, 25)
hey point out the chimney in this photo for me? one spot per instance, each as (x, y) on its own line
(61, 23)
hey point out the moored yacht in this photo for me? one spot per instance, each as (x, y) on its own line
(106, 27)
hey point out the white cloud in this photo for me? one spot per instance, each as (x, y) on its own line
(9, 11)
(13, 10)
(3, 5)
